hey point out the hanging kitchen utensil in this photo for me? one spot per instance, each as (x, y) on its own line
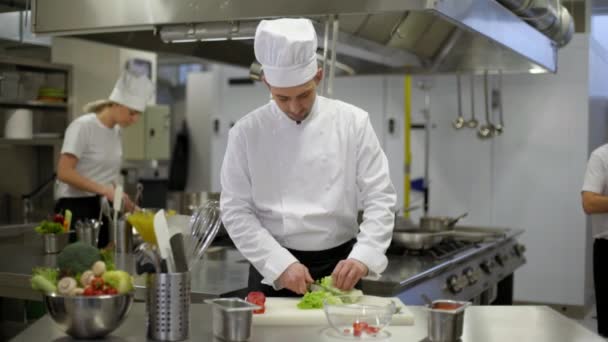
(139, 194)
(472, 122)
(459, 122)
(485, 130)
(497, 105)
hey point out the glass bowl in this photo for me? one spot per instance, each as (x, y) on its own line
(358, 316)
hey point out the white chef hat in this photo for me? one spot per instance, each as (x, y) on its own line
(133, 91)
(287, 50)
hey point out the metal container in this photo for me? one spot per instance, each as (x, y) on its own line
(122, 236)
(232, 318)
(445, 324)
(54, 243)
(88, 317)
(87, 233)
(168, 306)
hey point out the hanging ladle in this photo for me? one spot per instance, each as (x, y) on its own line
(497, 105)
(459, 122)
(485, 130)
(472, 123)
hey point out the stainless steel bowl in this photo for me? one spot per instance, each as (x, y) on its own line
(88, 317)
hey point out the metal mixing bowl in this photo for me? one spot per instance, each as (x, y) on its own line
(88, 317)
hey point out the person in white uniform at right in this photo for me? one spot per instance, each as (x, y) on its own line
(295, 170)
(595, 203)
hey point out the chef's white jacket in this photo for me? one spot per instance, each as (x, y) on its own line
(294, 186)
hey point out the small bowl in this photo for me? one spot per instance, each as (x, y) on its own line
(359, 318)
(88, 317)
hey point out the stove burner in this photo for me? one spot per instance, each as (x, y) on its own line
(444, 249)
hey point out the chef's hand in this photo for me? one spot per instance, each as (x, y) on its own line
(347, 273)
(128, 204)
(296, 278)
(108, 192)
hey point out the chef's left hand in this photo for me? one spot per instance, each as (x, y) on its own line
(347, 273)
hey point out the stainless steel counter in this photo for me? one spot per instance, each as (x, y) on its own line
(482, 324)
(404, 271)
(222, 271)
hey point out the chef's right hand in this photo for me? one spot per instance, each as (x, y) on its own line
(108, 192)
(296, 278)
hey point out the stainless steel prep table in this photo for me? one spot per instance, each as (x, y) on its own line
(222, 272)
(482, 324)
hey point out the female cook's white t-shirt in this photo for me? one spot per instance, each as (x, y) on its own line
(99, 152)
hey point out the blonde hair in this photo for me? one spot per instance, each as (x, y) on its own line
(96, 106)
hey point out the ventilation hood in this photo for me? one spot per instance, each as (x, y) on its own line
(375, 36)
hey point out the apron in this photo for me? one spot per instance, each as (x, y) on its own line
(319, 264)
(84, 208)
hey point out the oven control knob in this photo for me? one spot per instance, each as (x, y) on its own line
(519, 249)
(486, 266)
(471, 275)
(455, 284)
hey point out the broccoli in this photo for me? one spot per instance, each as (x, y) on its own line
(77, 258)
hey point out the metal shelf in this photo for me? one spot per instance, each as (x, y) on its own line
(32, 142)
(33, 104)
(35, 65)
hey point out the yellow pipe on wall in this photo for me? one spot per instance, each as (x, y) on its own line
(407, 126)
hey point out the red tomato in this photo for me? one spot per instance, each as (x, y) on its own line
(359, 328)
(97, 283)
(58, 218)
(98, 292)
(88, 291)
(372, 330)
(110, 290)
(257, 298)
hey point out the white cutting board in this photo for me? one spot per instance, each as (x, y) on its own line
(284, 311)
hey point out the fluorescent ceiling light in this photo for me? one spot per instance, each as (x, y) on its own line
(537, 70)
(211, 31)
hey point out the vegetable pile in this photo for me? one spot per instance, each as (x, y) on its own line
(83, 271)
(59, 224)
(333, 295)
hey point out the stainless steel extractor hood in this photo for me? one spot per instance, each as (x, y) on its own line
(376, 36)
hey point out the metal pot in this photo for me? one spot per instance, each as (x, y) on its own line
(439, 223)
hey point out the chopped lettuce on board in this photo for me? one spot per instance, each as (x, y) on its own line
(333, 295)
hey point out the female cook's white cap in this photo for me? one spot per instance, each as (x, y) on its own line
(133, 91)
(287, 51)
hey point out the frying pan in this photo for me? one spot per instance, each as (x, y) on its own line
(420, 239)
